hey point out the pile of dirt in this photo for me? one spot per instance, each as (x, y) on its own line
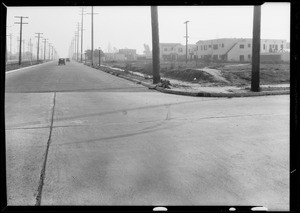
(190, 75)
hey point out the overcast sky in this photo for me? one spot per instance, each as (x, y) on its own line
(130, 26)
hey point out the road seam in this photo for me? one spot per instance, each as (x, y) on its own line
(43, 171)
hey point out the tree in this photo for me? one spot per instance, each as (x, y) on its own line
(96, 54)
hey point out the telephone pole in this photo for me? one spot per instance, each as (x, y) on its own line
(45, 48)
(23, 48)
(256, 49)
(38, 47)
(52, 54)
(99, 57)
(155, 45)
(92, 33)
(82, 10)
(21, 25)
(49, 51)
(186, 40)
(77, 39)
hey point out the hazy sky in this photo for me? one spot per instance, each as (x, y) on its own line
(130, 26)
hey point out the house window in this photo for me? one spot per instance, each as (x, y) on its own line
(166, 49)
(242, 46)
(264, 46)
(249, 45)
(249, 56)
(180, 50)
(281, 46)
(215, 47)
(222, 45)
(209, 46)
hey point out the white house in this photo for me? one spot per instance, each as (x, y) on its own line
(176, 51)
(233, 49)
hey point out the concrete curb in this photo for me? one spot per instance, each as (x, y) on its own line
(200, 94)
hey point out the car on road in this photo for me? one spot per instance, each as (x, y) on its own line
(61, 61)
(67, 60)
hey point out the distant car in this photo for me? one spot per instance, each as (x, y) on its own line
(67, 60)
(61, 61)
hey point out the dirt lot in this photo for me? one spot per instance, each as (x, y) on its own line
(213, 74)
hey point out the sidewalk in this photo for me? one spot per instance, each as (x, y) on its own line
(194, 89)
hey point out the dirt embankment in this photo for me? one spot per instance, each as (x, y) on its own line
(214, 73)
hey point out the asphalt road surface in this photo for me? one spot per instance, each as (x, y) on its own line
(79, 136)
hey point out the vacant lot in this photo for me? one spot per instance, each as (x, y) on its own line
(213, 73)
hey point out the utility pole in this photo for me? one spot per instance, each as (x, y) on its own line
(99, 57)
(30, 50)
(49, 51)
(82, 10)
(92, 33)
(186, 40)
(23, 47)
(20, 47)
(155, 45)
(256, 49)
(45, 48)
(77, 39)
(38, 47)
(52, 54)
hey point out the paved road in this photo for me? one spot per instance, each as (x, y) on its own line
(79, 136)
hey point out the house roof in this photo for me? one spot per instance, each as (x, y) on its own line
(170, 44)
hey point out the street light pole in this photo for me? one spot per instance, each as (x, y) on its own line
(186, 40)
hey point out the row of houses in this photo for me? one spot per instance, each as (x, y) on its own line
(226, 49)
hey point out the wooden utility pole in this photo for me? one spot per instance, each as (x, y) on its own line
(99, 57)
(38, 47)
(77, 39)
(92, 33)
(186, 40)
(256, 49)
(52, 54)
(49, 44)
(82, 10)
(20, 46)
(45, 48)
(155, 45)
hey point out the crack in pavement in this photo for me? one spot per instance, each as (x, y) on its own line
(43, 171)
